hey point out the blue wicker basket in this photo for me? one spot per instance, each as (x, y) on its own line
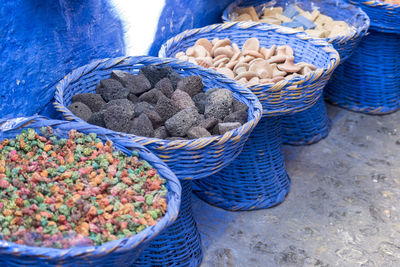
(265, 183)
(121, 252)
(306, 127)
(369, 81)
(287, 96)
(189, 159)
(312, 125)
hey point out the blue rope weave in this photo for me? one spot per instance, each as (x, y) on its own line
(121, 252)
(189, 159)
(265, 182)
(306, 127)
(256, 179)
(312, 125)
(369, 81)
(171, 249)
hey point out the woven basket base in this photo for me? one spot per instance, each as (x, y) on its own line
(306, 127)
(179, 244)
(369, 81)
(256, 179)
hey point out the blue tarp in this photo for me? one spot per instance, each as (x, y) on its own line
(42, 40)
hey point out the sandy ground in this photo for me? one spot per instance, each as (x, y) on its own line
(343, 208)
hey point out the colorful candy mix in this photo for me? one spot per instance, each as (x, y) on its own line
(78, 191)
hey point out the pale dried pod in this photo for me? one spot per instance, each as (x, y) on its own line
(304, 64)
(205, 43)
(222, 60)
(218, 58)
(242, 81)
(235, 48)
(241, 65)
(306, 70)
(277, 79)
(205, 62)
(199, 51)
(221, 65)
(180, 54)
(253, 54)
(192, 60)
(265, 81)
(184, 58)
(227, 72)
(214, 41)
(240, 70)
(236, 56)
(190, 52)
(281, 51)
(277, 59)
(251, 44)
(262, 68)
(289, 65)
(231, 64)
(226, 50)
(254, 81)
(247, 74)
(247, 59)
(277, 72)
(289, 50)
(221, 43)
(268, 53)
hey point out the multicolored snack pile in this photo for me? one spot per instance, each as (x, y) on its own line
(159, 103)
(78, 191)
(252, 65)
(313, 23)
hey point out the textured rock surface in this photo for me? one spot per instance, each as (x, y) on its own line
(197, 132)
(182, 99)
(165, 86)
(181, 122)
(191, 85)
(111, 89)
(142, 126)
(80, 110)
(218, 104)
(127, 105)
(117, 118)
(166, 108)
(93, 101)
(342, 210)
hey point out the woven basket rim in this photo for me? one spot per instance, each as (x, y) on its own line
(334, 58)
(361, 15)
(193, 144)
(120, 245)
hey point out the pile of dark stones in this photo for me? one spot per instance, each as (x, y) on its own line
(158, 102)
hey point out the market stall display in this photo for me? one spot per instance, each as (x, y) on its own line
(189, 159)
(317, 18)
(257, 178)
(58, 226)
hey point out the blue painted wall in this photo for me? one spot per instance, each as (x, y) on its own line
(42, 40)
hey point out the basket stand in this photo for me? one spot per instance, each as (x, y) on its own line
(306, 127)
(256, 179)
(179, 244)
(367, 82)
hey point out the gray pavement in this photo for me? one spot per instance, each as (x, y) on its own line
(343, 208)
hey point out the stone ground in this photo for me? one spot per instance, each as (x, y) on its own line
(343, 208)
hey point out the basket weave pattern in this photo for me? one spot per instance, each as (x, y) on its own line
(189, 159)
(120, 252)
